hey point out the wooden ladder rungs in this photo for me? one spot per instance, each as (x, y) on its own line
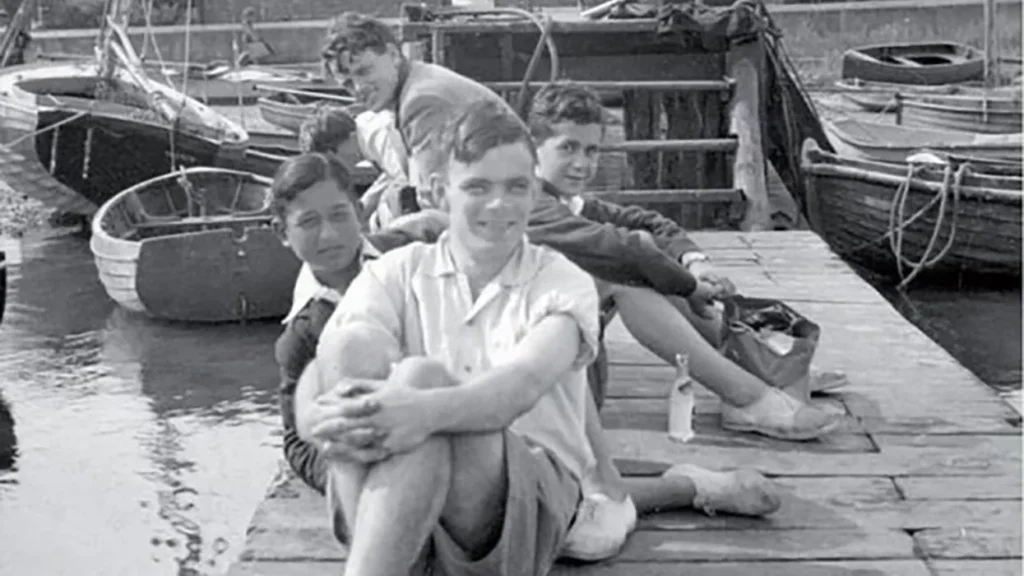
(724, 85)
(677, 196)
(691, 145)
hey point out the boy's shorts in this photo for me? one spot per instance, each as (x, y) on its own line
(540, 507)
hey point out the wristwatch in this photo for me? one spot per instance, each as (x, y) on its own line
(690, 257)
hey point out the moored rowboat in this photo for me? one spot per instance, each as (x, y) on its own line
(893, 217)
(881, 96)
(194, 246)
(926, 63)
(984, 114)
(892, 143)
(288, 108)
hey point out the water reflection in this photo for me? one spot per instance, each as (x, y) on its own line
(143, 447)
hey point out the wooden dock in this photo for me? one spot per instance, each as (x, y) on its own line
(925, 478)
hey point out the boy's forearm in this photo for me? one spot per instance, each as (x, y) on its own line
(488, 403)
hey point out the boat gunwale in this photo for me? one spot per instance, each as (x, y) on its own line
(99, 233)
(833, 126)
(820, 163)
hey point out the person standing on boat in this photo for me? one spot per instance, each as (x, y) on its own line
(21, 43)
(251, 47)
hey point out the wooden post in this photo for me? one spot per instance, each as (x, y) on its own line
(991, 44)
(745, 62)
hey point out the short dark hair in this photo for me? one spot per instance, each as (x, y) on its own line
(559, 102)
(299, 173)
(328, 128)
(479, 128)
(355, 33)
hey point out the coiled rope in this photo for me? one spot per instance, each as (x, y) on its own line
(897, 224)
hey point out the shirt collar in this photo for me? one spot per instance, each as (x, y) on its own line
(518, 271)
(308, 288)
(574, 202)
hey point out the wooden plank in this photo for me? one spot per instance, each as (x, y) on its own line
(969, 543)
(803, 568)
(745, 62)
(978, 488)
(1007, 567)
(282, 543)
(746, 545)
(681, 196)
(891, 461)
(688, 145)
(798, 512)
(652, 85)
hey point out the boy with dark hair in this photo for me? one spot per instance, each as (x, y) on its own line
(422, 96)
(566, 121)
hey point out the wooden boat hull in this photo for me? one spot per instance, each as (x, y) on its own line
(851, 201)
(891, 143)
(226, 266)
(915, 63)
(3, 284)
(966, 113)
(289, 111)
(127, 143)
(880, 97)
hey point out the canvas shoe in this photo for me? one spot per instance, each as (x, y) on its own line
(600, 529)
(778, 415)
(745, 492)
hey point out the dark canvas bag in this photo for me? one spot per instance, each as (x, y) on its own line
(771, 341)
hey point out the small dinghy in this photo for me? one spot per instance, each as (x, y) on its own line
(288, 108)
(194, 246)
(892, 143)
(984, 114)
(927, 63)
(881, 96)
(935, 215)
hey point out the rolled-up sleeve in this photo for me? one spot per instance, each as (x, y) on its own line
(561, 287)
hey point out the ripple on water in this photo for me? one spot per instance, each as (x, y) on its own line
(149, 442)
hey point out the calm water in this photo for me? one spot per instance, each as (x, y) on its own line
(143, 448)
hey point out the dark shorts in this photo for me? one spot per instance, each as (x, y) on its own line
(543, 496)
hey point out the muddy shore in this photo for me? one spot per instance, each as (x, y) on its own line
(21, 215)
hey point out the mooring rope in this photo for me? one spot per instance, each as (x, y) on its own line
(896, 213)
(53, 126)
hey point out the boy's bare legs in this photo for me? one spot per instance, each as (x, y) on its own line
(748, 403)
(459, 481)
(358, 350)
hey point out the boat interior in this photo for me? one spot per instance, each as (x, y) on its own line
(190, 202)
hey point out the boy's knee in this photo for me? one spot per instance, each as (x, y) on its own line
(422, 372)
(361, 349)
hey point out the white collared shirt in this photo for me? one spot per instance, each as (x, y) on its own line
(417, 294)
(308, 288)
